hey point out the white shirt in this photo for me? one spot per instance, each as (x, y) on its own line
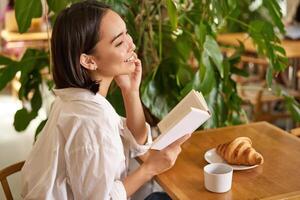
(82, 152)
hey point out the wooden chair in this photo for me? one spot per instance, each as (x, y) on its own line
(256, 67)
(254, 92)
(263, 101)
(4, 173)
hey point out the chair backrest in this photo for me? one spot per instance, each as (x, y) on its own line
(4, 173)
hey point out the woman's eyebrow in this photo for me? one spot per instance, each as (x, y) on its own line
(116, 37)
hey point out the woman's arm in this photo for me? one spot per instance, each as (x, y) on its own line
(136, 179)
(135, 118)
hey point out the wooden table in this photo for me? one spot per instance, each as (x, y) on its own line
(280, 174)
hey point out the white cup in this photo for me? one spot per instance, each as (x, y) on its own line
(218, 177)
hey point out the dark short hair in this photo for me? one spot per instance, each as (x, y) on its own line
(75, 31)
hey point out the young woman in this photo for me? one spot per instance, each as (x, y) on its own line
(83, 150)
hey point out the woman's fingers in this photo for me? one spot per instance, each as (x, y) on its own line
(167, 157)
(180, 141)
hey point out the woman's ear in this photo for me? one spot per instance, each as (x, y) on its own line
(88, 62)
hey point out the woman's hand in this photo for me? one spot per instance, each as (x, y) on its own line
(131, 82)
(157, 162)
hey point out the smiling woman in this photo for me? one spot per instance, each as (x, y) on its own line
(118, 57)
(85, 146)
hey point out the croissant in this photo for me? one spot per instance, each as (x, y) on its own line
(240, 152)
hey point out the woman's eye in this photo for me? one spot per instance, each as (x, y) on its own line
(119, 44)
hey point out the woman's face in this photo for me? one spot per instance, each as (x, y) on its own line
(114, 53)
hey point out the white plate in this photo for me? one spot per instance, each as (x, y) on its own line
(211, 156)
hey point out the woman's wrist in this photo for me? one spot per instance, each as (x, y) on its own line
(130, 93)
(136, 179)
(147, 171)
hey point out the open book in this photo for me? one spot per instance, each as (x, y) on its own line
(190, 113)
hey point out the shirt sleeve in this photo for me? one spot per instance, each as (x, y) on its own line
(130, 142)
(92, 166)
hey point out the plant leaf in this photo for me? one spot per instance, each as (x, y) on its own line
(39, 128)
(5, 60)
(36, 101)
(57, 5)
(208, 81)
(25, 11)
(212, 49)
(183, 44)
(294, 107)
(23, 118)
(115, 98)
(7, 74)
(172, 12)
(269, 76)
(275, 13)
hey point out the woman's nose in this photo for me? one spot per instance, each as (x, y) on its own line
(131, 45)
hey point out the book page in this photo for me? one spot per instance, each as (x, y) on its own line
(202, 101)
(187, 125)
(192, 99)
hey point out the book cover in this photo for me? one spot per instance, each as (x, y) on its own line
(190, 113)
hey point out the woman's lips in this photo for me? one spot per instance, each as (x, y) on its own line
(130, 59)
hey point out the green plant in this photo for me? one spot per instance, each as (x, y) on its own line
(176, 41)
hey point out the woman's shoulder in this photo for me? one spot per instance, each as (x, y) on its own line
(89, 113)
(84, 113)
(83, 103)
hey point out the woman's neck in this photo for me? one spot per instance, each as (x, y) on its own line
(104, 86)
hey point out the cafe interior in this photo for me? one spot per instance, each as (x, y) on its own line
(246, 64)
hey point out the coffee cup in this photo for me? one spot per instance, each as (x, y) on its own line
(218, 177)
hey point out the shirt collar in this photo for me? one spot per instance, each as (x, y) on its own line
(78, 94)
